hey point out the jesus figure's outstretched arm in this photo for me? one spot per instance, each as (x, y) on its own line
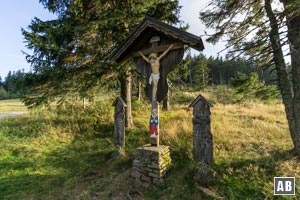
(144, 57)
(165, 52)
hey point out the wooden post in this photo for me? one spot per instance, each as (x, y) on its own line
(154, 124)
(119, 128)
(202, 138)
(126, 84)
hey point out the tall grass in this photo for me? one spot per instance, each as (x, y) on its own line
(65, 152)
(49, 154)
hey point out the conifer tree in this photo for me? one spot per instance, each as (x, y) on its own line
(259, 30)
(70, 53)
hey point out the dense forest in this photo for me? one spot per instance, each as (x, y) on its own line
(195, 71)
(15, 85)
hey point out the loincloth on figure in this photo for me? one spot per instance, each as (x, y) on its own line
(153, 77)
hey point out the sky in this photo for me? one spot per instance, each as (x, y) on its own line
(17, 14)
(14, 15)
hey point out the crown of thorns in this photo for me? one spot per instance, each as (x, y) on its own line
(153, 55)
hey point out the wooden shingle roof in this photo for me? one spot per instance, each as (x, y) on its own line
(145, 30)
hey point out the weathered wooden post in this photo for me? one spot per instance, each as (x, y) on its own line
(119, 128)
(156, 48)
(202, 138)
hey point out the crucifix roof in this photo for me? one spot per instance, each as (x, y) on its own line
(145, 31)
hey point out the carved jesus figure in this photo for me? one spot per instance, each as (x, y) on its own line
(154, 62)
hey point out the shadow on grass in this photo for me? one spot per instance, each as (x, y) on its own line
(75, 167)
(30, 186)
(81, 155)
(250, 178)
(238, 178)
(16, 165)
(103, 130)
(23, 127)
(58, 166)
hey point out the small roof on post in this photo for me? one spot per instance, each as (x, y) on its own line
(119, 99)
(198, 99)
(145, 31)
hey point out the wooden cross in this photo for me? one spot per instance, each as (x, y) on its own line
(153, 77)
(155, 48)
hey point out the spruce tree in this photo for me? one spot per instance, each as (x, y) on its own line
(259, 30)
(70, 53)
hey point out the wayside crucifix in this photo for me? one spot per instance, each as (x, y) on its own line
(156, 48)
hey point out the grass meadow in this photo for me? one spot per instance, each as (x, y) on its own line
(11, 105)
(65, 152)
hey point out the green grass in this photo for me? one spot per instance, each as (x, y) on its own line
(65, 153)
(50, 156)
(12, 105)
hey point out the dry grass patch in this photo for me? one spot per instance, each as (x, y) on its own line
(12, 105)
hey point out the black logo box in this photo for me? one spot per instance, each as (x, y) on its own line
(284, 185)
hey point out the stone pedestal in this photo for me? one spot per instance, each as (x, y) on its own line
(151, 164)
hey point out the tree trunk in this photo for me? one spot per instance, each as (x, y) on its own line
(221, 78)
(203, 77)
(292, 14)
(190, 76)
(140, 90)
(283, 82)
(125, 81)
(166, 102)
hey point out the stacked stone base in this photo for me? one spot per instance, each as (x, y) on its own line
(151, 164)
